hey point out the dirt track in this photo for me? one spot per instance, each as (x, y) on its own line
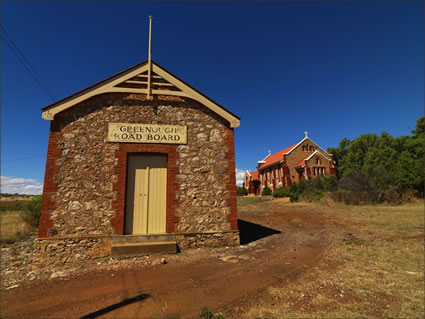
(277, 247)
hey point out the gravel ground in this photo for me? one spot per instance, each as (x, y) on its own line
(16, 265)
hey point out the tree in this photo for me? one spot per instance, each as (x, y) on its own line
(386, 161)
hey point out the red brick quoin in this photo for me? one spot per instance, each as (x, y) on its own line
(121, 172)
(232, 218)
(48, 205)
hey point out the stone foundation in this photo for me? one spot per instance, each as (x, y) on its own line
(209, 239)
(61, 250)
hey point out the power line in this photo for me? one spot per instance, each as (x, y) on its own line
(23, 158)
(24, 61)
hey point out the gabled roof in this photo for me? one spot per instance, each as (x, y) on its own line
(302, 163)
(253, 174)
(134, 80)
(277, 157)
(310, 156)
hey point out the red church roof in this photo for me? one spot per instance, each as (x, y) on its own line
(276, 157)
(301, 163)
(254, 175)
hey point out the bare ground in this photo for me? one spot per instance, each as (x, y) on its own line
(278, 245)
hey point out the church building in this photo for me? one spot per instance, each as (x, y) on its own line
(138, 162)
(302, 161)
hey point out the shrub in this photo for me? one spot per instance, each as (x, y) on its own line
(208, 314)
(346, 196)
(15, 207)
(281, 192)
(241, 191)
(359, 186)
(266, 191)
(311, 190)
(32, 211)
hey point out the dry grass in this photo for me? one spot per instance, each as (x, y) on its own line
(12, 225)
(375, 268)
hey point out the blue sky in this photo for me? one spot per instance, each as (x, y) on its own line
(335, 69)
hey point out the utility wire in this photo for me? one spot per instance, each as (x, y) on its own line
(23, 158)
(12, 45)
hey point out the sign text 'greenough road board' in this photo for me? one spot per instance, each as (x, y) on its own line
(147, 133)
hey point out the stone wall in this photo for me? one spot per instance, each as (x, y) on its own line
(60, 250)
(81, 175)
(207, 239)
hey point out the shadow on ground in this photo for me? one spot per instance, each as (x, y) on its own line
(250, 232)
(113, 307)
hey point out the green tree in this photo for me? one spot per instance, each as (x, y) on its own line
(385, 161)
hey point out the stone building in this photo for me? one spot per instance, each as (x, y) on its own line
(303, 160)
(140, 156)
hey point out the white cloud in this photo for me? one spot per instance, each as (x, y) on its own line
(239, 176)
(14, 185)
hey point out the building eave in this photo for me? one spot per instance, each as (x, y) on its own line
(112, 85)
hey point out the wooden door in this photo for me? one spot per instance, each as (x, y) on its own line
(146, 194)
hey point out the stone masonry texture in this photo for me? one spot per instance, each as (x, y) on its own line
(84, 191)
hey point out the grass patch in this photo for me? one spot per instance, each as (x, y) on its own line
(249, 200)
(13, 228)
(13, 238)
(375, 268)
(13, 208)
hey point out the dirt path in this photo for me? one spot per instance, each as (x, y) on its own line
(222, 279)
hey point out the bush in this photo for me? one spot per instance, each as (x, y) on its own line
(241, 191)
(14, 208)
(266, 191)
(208, 314)
(32, 211)
(346, 196)
(281, 192)
(359, 186)
(312, 190)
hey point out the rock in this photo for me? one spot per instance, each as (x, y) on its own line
(163, 261)
(204, 169)
(202, 137)
(215, 136)
(230, 258)
(57, 274)
(12, 287)
(75, 205)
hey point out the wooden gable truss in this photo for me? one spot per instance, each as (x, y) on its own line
(136, 80)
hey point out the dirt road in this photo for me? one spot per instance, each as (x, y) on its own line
(277, 246)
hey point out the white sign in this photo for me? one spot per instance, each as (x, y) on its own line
(147, 133)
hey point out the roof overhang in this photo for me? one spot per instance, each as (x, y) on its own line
(133, 80)
(271, 164)
(307, 138)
